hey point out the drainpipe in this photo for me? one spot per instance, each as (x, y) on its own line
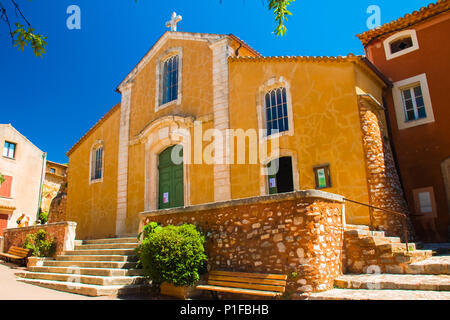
(44, 159)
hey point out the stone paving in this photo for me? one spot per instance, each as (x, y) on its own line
(360, 294)
(394, 281)
(11, 289)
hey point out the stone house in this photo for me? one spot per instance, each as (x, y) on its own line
(178, 138)
(55, 175)
(23, 165)
(413, 52)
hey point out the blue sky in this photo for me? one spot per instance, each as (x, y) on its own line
(53, 101)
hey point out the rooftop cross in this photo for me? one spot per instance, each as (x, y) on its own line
(172, 24)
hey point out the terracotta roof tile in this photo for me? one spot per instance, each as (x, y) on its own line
(433, 9)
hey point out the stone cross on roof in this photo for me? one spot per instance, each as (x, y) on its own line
(172, 24)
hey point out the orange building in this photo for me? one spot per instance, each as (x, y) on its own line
(413, 52)
(188, 90)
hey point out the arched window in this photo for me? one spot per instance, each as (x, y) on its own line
(276, 111)
(169, 90)
(400, 43)
(97, 162)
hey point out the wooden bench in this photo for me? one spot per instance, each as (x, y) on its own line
(259, 284)
(16, 254)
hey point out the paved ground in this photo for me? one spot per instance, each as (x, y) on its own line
(11, 289)
(359, 294)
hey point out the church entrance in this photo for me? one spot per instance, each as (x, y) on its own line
(171, 188)
(282, 181)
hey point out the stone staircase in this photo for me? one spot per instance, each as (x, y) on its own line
(380, 268)
(102, 267)
(368, 251)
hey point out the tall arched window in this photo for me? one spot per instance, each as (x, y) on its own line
(169, 90)
(97, 162)
(276, 111)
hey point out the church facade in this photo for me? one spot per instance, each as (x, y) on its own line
(205, 118)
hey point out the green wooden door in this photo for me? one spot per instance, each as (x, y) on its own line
(171, 184)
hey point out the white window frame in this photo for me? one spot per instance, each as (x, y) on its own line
(159, 77)
(269, 85)
(15, 150)
(98, 144)
(400, 108)
(403, 34)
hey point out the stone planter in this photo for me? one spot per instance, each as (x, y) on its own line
(36, 261)
(170, 290)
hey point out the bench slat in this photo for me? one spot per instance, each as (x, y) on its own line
(250, 275)
(237, 290)
(11, 256)
(243, 285)
(248, 280)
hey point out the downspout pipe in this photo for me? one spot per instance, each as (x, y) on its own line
(44, 160)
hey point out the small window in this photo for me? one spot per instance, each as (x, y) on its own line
(322, 176)
(413, 103)
(52, 170)
(9, 150)
(169, 90)
(276, 111)
(424, 201)
(401, 44)
(97, 164)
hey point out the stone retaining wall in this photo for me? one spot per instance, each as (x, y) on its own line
(62, 232)
(299, 234)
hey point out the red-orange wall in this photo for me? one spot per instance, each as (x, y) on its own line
(421, 150)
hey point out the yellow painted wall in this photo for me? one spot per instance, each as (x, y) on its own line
(93, 206)
(326, 123)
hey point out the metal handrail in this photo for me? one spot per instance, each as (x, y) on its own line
(404, 222)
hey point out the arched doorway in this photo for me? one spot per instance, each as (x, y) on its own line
(171, 178)
(280, 180)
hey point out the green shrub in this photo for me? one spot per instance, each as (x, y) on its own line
(43, 217)
(41, 244)
(173, 254)
(2, 179)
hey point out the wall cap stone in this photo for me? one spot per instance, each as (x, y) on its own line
(302, 194)
(39, 226)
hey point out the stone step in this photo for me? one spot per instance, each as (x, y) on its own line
(361, 294)
(356, 226)
(104, 272)
(89, 290)
(86, 279)
(365, 233)
(106, 246)
(394, 239)
(96, 258)
(432, 265)
(394, 282)
(91, 264)
(111, 240)
(395, 247)
(100, 252)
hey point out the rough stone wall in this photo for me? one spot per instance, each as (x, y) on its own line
(57, 210)
(62, 232)
(300, 237)
(383, 181)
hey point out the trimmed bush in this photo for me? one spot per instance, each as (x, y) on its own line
(41, 244)
(173, 254)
